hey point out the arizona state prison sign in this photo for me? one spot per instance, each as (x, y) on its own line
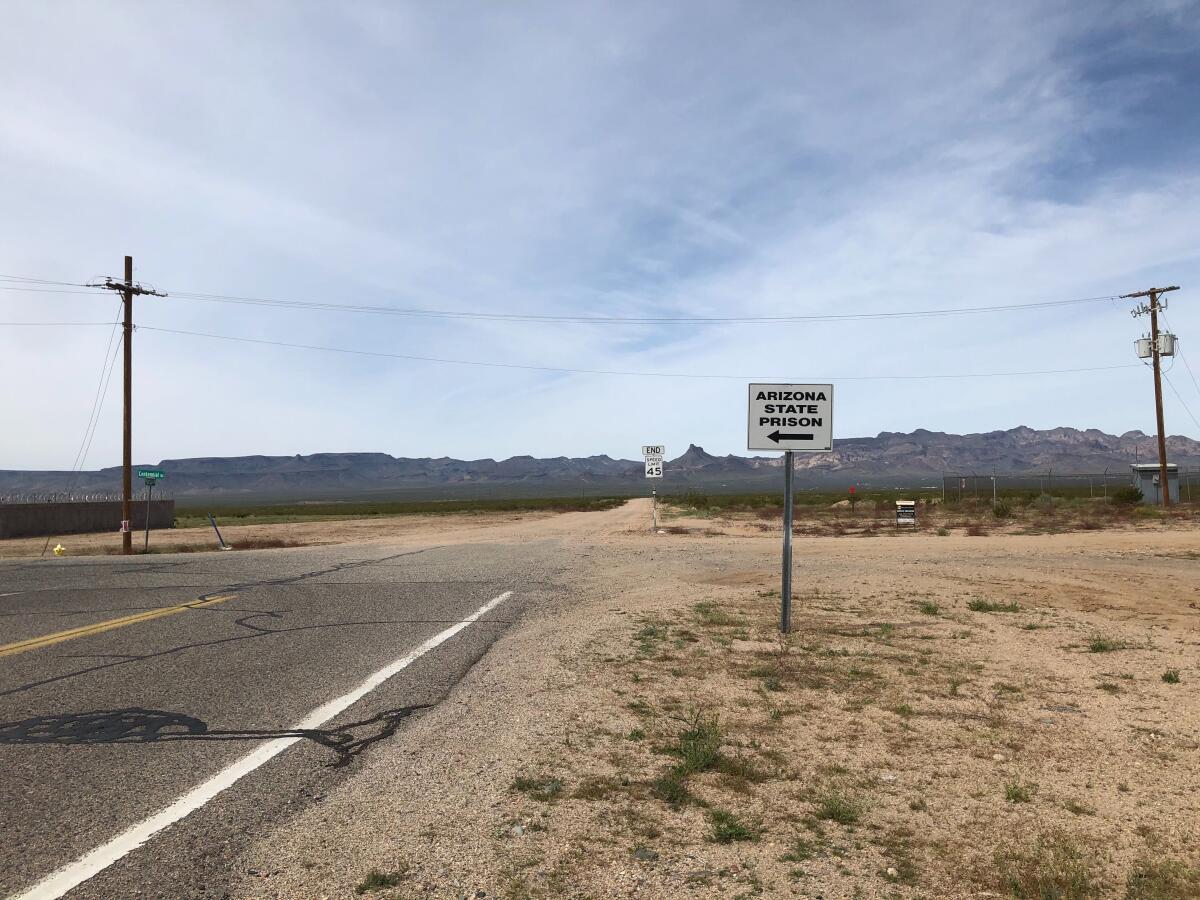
(790, 417)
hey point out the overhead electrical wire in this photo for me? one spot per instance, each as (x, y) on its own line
(1188, 366)
(1179, 352)
(53, 324)
(89, 432)
(42, 285)
(51, 286)
(632, 373)
(1179, 397)
(98, 403)
(46, 290)
(41, 280)
(547, 319)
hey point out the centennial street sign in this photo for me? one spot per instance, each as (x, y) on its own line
(790, 417)
(152, 473)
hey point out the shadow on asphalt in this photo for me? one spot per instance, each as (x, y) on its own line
(135, 725)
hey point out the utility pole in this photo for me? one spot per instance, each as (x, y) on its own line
(1164, 486)
(127, 288)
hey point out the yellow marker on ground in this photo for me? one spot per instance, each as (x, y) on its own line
(84, 631)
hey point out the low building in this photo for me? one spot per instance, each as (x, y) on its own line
(1146, 477)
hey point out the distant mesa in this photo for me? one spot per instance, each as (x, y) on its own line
(889, 458)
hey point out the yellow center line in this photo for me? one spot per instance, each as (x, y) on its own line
(71, 633)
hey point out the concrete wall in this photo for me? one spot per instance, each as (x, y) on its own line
(41, 519)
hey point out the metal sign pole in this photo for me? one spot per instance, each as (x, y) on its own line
(220, 540)
(785, 615)
(149, 494)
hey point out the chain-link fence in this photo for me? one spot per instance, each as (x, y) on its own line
(960, 486)
(139, 493)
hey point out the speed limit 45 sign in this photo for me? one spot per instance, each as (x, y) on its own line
(653, 454)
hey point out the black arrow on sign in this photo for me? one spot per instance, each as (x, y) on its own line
(777, 437)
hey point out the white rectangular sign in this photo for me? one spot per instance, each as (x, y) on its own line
(658, 450)
(790, 417)
(654, 467)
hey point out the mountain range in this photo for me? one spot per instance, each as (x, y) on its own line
(888, 459)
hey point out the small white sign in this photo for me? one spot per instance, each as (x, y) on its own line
(654, 467)
(790, 417)
(649, 450)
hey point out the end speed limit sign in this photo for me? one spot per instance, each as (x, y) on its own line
(654, 467)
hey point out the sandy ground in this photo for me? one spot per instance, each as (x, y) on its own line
(417, 529)
(648, 734)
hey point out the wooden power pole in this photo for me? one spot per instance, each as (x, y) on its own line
(1164, 485)
(127, 419)
(128, 288)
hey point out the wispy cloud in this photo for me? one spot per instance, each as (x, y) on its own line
(706, 159)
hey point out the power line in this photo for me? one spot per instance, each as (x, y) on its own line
(41, 290)
(98, 403)
(89, 432)
(1179, 352)
(105, 366)
(538, 318)
(53, 324)
(638, 374)
(41, 280)
(1179, 397)
(546, 318)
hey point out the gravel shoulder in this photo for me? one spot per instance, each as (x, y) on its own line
(954, 717)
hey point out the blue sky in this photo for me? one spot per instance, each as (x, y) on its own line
(706, 159)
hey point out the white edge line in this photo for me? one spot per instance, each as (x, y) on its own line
(72, 875)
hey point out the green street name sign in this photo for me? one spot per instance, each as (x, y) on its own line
(151, 473)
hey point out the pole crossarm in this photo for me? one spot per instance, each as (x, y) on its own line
(137, 288)
(1149, 292)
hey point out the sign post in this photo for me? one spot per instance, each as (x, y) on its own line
(149, 494)
(791, 418)
(653, 456)
(220, 540)
(150, 476)
(789, 476)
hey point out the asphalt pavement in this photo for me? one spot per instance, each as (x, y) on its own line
(126, 682)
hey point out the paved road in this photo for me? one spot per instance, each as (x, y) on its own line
(105, 727)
